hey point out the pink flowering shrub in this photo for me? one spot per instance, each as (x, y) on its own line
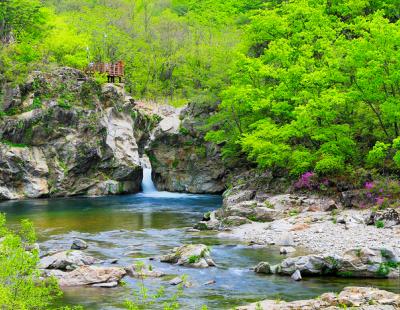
(383, 193)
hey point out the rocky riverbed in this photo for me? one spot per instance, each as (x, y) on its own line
(320, 232)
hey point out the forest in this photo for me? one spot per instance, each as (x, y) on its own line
(300, 86)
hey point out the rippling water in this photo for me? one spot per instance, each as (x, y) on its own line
(136, 227)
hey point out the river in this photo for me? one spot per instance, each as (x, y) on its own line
(136, 227)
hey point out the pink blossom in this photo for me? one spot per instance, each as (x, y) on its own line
(369, 185)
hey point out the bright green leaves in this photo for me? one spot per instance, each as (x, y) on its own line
(325, 75)
(20, 286)
(21, 20)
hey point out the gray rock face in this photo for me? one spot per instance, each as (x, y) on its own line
(143, 272)
(66, 260)
(192, 255)
(263, 267)
(181, 160)
(89, 275)
(69, 137)
(79, 244)
(296, 275)
(356, 263)
(389, 217)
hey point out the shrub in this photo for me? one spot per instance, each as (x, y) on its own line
(20, 284)
(380, 224)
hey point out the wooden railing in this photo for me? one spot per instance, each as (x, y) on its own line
(112, 70)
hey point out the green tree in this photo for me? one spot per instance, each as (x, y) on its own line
(20, 283)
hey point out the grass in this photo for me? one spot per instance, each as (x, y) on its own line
(379, 224)
(194, 259)
(12, 144)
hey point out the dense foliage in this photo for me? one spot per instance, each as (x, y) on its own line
(318, 89)
(20, 287)
(304, 85)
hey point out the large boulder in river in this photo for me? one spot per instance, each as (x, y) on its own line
(69, 137)
(366, 298)
(355, 263)
(66, 260)
(89, 275)
(191, 255)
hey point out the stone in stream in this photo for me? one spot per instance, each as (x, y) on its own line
(79, 244)
(192, 255)
(66, 260)
(263, 267)
(287, 250)
(296, 275)
(175, 281)
(367, 298)
(89, 275)
(143, 272)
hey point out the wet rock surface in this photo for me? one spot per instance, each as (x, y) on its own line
(89, 275)
(66, 260)
(192, 255)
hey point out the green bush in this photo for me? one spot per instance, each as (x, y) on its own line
(20, 283)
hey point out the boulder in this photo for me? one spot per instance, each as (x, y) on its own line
(296, 275)
(66, 260)
(286, 250)
(263, 267)
(175, 281)
(390, 217)
(89, 275)
(192, 255)
(143, 272)
(79, 244)
(355, 263)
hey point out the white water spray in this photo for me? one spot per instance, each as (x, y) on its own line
(147, 183)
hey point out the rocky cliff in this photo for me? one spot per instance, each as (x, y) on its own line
(62, 134)
(181, 159)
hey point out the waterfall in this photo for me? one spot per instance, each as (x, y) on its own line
(147, 182)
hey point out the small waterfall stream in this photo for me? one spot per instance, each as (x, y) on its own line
(147, 183)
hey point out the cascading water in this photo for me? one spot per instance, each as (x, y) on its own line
(148, 187)
(147, 183)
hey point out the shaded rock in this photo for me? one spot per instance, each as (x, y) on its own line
(193, 255)
(79, 244)
(352, 198)
(181, 159)
(296, 275)
(359, 297)
(242, 196)
(263, 267)
(66, 260)
(287, 250)
(89, 275)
